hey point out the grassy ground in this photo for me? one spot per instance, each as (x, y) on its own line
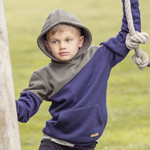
(128, 100)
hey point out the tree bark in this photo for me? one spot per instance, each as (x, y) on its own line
(9, 133)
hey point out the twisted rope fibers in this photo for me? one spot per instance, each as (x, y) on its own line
(135, 38)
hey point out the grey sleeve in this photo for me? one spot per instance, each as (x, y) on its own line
(38, 86)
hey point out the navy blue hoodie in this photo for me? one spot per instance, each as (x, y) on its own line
(76, 88)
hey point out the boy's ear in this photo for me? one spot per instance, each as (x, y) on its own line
(46, 44)
(81, 41)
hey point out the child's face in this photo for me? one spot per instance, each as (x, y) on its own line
(64, 46)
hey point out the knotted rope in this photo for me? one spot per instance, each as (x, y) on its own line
(135, 38)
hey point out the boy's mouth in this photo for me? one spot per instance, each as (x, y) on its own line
(63, 53)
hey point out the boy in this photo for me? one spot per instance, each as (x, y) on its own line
(75, 81)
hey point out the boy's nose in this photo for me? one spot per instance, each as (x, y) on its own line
(62, 45)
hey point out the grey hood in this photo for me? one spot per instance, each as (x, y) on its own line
(61, 16)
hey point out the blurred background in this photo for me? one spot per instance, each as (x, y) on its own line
(128, 95)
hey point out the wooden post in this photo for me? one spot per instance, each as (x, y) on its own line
(9, 133)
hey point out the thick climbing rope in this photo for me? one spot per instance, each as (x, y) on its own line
(134, 38)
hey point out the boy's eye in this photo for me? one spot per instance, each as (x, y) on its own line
(68, 40)
(55, 42)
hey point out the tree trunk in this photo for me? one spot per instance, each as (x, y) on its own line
(9, 133)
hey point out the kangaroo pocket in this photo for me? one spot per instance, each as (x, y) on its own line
(80, 125)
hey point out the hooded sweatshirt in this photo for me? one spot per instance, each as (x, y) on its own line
(75, 88)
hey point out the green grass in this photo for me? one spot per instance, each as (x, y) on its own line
(128, 100)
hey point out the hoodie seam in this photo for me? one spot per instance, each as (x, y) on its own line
(105, 56)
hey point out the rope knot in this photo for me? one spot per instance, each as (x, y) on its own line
(142, 60)
(133, 41)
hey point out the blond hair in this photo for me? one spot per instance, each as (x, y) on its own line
(61, 28)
